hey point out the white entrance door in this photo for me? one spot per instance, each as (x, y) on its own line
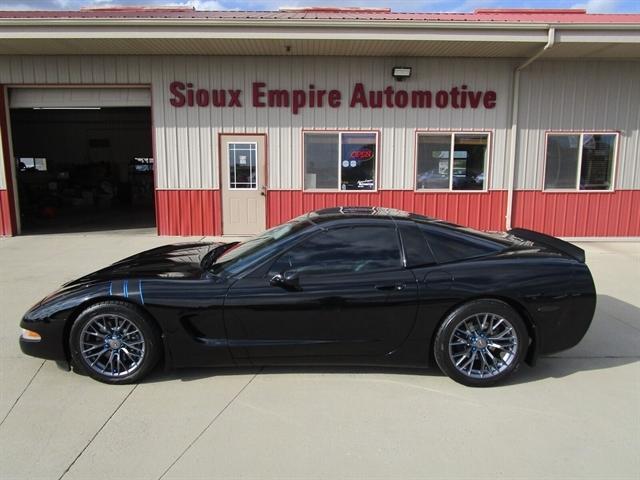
(243, 184)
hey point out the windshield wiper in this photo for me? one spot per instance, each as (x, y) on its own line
(212, 255)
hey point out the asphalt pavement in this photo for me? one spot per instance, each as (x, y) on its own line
(575, 415)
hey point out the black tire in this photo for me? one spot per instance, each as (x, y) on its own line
(139, 330)
(464, 335)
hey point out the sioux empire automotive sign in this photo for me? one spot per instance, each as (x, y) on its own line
(460, 96)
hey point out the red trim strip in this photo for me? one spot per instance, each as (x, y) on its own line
(578, 214)
(188, 212)
(7, 204)
(485, 210)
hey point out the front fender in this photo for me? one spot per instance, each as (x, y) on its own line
(50, 317)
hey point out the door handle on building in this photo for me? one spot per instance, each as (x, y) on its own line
(263, 190)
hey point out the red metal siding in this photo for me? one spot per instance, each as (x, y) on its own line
(198, 212)
(480, 210)
(579, 214)
(188, 212)
(8, 225)
(5, 214)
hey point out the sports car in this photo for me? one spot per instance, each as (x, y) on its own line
(345, 285)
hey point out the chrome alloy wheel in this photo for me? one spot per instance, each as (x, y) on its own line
(483, 345)
(112, 345)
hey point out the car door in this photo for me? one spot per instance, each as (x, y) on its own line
(351, 296)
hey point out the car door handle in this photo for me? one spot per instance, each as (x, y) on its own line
(392, 286)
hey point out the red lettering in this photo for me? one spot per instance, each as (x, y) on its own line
(234, 98)
(178, 99)
(321, 93)
(278, 98)
(202, 97)
(474, 99)
(388, 95)
(421, 99)
(257, 94)
(442, 99)
(401, 99)
(312, 96)
(190, 94)
(362, 154)
(454, 97)
(375, 99)
(298, 100)
(218, 98)
(490, 99)
(358, 96)
(335, 98)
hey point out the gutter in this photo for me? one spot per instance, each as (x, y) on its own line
(280, 22)
(513, 150)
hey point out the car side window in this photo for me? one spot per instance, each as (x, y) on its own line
(343, 250)
(450, 246)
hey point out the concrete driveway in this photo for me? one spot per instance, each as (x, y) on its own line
(576, 415)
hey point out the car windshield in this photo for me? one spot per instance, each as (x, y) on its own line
(256, 248)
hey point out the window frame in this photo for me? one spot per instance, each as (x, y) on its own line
(581, 133)
(255, 144)
(339, 159)
(453, 133)
(324, 230)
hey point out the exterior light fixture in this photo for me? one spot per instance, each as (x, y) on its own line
(401, 73)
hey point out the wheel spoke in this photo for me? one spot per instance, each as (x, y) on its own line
(112, 345)
(86, 350)
(128, 345)
(483, 345)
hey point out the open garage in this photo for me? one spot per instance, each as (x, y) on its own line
(83, 158)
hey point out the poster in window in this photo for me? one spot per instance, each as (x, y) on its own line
(358, 161)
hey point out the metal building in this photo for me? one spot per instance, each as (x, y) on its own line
(232, 122)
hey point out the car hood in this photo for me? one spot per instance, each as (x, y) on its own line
(170, 261)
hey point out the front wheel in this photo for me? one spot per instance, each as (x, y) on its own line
(481, 343)
(114, 342)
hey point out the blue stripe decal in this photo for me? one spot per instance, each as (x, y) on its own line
(140, 290)
(126, 288)
(111, 289)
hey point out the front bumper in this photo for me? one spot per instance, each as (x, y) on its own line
(51, 344)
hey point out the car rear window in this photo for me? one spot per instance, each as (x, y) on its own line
(450, 246)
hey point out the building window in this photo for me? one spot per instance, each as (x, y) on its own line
(580, 161)
(452, 161)
(340, 160)
(32, 163)
(243, 171)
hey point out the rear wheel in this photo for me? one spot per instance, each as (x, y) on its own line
(114, 342)
(481, 343)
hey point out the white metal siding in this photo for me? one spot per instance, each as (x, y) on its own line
(560, 95)
(572, 95)
(79, 97)
(186, 138)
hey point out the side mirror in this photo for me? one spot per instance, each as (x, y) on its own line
(289, 280)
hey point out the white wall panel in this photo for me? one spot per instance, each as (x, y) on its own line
(561, 95)
(79, 97)
(186, 139)
(571, 95)
(197, 148)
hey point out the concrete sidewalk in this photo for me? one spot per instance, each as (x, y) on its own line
(576, 415)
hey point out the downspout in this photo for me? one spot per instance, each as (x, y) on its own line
(514, 122)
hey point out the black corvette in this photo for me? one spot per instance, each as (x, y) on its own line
(364, 286)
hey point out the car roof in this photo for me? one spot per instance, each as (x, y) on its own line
(357, 212)
(392, 214)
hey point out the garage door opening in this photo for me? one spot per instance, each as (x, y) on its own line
(83, 168)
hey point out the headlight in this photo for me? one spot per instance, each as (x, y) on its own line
(30, 335)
